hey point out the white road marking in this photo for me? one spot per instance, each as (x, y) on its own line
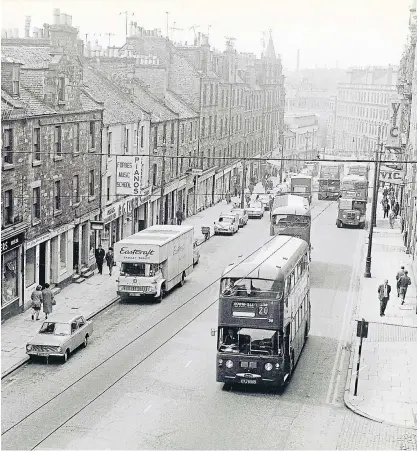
(188, 364)
(150, 405)
(335, 378)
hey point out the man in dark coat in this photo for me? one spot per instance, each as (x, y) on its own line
(179, 216)
(100, 254)
(384, 291)
(110, 260)
(400, 273)
(403, 282)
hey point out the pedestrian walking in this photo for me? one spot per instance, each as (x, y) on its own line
(110, 260)
(180, 216)
(391, 219)
(36, 297)
(48, 300)
(396, 209)
(385, 206)
(403, 282)
(100, 258)
(384, 291)
(400, 273)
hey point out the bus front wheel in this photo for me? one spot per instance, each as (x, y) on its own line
(339, 224)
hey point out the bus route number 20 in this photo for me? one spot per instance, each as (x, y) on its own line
(263, 310)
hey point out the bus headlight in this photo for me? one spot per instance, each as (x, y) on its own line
(229, 364)
(28, 347)
(277, 365)
(220, 362)
(268, 366)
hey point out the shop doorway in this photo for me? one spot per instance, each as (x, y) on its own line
(76, 249)
(42, 263)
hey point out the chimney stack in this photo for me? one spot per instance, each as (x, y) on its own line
(27, 26)
(57, 16)
(3, 33)
(298, 60)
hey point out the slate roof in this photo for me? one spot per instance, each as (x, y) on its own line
(30, 57)
(142, 97)
(175, 103)
(118, 107)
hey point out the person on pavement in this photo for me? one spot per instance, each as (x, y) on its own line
(385, 206)
(396, 208)
(48, 300)
(110, 260)
(36, 302)
(400, 273)
(179, 216)
(384, 291)
(403, 282)
(100, 258)
(392, 219)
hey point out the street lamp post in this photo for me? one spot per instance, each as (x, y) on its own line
(373, 210)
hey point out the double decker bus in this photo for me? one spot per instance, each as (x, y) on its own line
(264, 314)
(330, 176)
(362, 170)
(290, 216)
(355, 187)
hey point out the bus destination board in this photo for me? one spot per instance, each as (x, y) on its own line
(250, 309)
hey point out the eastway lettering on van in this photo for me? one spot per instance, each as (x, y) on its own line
(126, 250)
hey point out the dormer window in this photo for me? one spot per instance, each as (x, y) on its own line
(16, 80)
(61, 89)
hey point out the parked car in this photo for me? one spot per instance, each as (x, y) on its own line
(227, 224)
(255, 209)
(243, 215)
(60, 336)
(266, 200)
(196, 253)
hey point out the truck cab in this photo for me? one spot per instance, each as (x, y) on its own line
(351, 212)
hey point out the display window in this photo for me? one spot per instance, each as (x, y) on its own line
(9, 286)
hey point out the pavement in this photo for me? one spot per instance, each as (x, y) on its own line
(387, 389)
(89, 298)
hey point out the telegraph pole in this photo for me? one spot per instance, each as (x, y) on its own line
(242, 195)
(161, 204)
(374, 206)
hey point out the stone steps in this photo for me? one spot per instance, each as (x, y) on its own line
(87, 274)
(79, 280)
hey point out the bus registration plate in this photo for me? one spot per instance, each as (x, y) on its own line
(248, 381)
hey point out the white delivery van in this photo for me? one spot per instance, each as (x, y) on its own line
(154, 260)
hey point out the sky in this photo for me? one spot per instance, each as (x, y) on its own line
(327, 32)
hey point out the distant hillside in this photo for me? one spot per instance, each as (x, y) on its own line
(326, 79)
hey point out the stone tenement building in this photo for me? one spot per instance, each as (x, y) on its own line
(407, 90)
(362, 104)
(190, 112)
(236, 102)
(51, 155)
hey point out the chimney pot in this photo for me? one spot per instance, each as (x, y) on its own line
(56, 16)
(63, 19)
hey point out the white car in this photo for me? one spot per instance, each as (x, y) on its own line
(255, 209)
(243, 215)
(227, 224)
(266, 200)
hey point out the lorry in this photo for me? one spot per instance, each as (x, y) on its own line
(154, 260)
(302, 185)
(351, 212)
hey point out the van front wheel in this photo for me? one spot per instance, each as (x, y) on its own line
(161, 294)
(182, 279)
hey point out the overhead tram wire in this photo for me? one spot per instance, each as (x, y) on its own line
(202, 157)
(133, 341)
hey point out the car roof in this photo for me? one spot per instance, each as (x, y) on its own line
(64, 317)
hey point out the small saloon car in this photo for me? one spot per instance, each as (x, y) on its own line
(255, 209)
(227, 224)
(243, 215)
(60, 336)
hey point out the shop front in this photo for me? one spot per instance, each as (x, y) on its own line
(11, 284)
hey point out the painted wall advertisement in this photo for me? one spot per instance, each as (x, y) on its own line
(128, 174)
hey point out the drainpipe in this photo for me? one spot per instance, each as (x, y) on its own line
(103, 156)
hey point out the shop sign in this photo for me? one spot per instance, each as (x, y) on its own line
(12, 243)
(394, 139)
(196, 171)
(392, 176)
(48, 236)
(128, 174)
(97, 225)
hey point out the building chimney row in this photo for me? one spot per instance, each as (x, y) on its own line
(56, 16)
